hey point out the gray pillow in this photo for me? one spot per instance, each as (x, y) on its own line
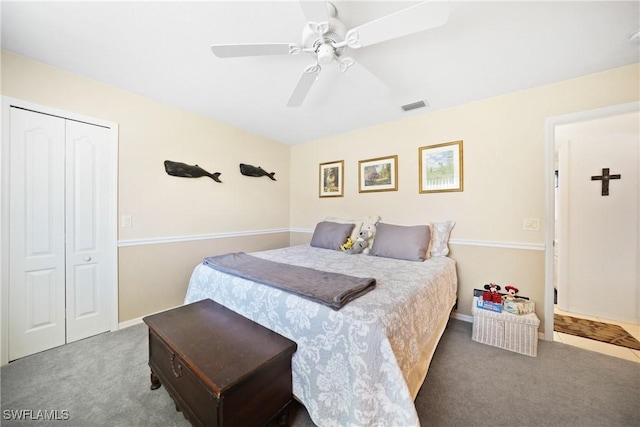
(401, 242)
(330, 235)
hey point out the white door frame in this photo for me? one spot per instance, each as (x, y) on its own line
(7, 103)
(550, 146)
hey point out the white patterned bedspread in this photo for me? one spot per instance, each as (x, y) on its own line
(352, 366)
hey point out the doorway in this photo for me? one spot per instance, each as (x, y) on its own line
(554, 126)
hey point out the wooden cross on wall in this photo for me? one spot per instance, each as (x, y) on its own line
(605, 177)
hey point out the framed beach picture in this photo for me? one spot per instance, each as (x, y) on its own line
(380, 174)
(332, 179)
(441, 167)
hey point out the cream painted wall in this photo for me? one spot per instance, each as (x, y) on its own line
(160, 205)
(504, 180)
(170, 279)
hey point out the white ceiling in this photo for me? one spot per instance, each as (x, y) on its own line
(161, 50)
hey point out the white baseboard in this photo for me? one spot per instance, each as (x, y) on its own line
(463, 317)
(138, 320)
(129, 323)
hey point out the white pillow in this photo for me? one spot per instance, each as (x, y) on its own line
(440, 238)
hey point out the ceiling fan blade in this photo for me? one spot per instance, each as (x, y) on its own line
(306, 80)
(315, 11)
(255, 49)
(420, 17)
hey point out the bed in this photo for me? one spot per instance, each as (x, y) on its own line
(361, 365)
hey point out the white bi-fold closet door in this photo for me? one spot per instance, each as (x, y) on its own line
(60, 234)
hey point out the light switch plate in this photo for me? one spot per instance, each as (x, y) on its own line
(531, 224)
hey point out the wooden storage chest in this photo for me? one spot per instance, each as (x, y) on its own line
(220, 368)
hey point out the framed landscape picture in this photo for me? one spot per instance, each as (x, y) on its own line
(380, 174)
(441, 167)
(332, 179)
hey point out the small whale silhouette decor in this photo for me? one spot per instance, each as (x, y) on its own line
(249, 170)
(187, 171)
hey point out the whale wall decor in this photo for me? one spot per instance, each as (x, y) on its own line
(188, 171)
(249, 170)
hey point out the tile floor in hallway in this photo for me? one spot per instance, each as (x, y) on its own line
(600, 347)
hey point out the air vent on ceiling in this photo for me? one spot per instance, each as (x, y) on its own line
(414, 105)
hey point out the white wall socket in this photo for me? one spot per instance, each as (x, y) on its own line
(531, 224)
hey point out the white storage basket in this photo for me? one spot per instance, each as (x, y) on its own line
(505, 330)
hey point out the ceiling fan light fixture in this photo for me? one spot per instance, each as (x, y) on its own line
(326, 54)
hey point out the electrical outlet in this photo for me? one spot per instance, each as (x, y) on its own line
(531, 224)
(126, 221)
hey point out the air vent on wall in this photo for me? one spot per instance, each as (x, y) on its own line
(414, 105)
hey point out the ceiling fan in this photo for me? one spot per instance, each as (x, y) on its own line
(327, 39)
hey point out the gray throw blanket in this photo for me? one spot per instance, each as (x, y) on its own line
(331, 289)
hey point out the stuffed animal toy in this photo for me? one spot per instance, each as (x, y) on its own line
(358, 246)
(491, 294)
(511, 292)
(346, 245)
(367, 232)
(364, 237)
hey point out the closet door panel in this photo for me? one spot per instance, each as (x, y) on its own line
(88, 180)
(36, 236)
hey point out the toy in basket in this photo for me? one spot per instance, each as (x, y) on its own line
(511, 292)
(490, 299)
(516, 305)
(519, 306)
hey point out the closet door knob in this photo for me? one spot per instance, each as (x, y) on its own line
(87, 258)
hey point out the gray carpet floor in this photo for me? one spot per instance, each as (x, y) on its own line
(104, 381)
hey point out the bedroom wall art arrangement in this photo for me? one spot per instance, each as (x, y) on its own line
(177, 222)
(504, 182)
